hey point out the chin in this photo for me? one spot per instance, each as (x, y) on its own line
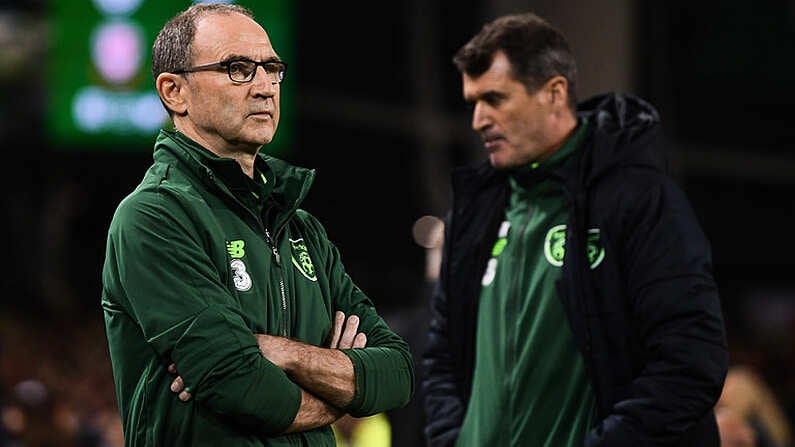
(260, 138)
(499, 163)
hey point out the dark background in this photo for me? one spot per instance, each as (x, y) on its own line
(379, 115)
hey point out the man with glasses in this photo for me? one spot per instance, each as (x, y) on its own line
(225, 303)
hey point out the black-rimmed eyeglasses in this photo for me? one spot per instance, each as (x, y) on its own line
(244, 70)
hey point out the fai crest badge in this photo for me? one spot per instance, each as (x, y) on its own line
(595, 251)
(555, 246)
(301, 259)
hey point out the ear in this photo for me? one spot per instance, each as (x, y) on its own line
(557, 90)
(173, 90)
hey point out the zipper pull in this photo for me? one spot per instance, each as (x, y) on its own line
(274, 249)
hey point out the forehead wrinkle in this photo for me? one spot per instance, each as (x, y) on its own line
(254, 49)
(231, 38)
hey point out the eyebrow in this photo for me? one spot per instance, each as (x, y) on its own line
(484, 95)
(235, 57)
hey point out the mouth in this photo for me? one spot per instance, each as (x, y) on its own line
(491, 142)
(263, 114)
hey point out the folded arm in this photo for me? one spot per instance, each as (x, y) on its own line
(325, 372)
(325, 375)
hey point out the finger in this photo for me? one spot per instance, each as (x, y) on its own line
(185, 396)
(360, 341)
(177, 385)
(172, 368)
(346, 341)
(336, 330)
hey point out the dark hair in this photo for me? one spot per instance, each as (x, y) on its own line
(536, 50)
(172, 49)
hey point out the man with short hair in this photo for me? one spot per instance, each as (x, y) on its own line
(214, 272)
(575, 303)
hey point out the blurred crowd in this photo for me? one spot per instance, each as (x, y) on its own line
(56, 385)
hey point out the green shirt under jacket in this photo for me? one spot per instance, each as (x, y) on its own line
(530, 387)
(199, 258)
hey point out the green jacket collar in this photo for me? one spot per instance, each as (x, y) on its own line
(284, 184)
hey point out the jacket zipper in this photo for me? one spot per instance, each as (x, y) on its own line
(513, 295)
(274, 249)
(278, 257)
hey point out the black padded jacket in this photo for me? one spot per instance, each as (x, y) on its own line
(647, 320)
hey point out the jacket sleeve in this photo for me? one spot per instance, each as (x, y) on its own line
(384, 369)
(157, 262)
(666, 265)
(443, 404)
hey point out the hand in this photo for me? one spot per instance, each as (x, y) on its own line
(178, 386)
(343, 336)
(347, 338)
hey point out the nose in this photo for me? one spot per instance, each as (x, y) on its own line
(262, 84)
(480, 117)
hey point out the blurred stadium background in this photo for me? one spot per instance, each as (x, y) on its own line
(372, 102)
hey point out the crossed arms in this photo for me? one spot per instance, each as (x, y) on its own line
(186, 315)
(325, 375)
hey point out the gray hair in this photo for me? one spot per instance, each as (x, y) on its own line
(172, 49)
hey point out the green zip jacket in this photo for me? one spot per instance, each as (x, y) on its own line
(199, 258)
